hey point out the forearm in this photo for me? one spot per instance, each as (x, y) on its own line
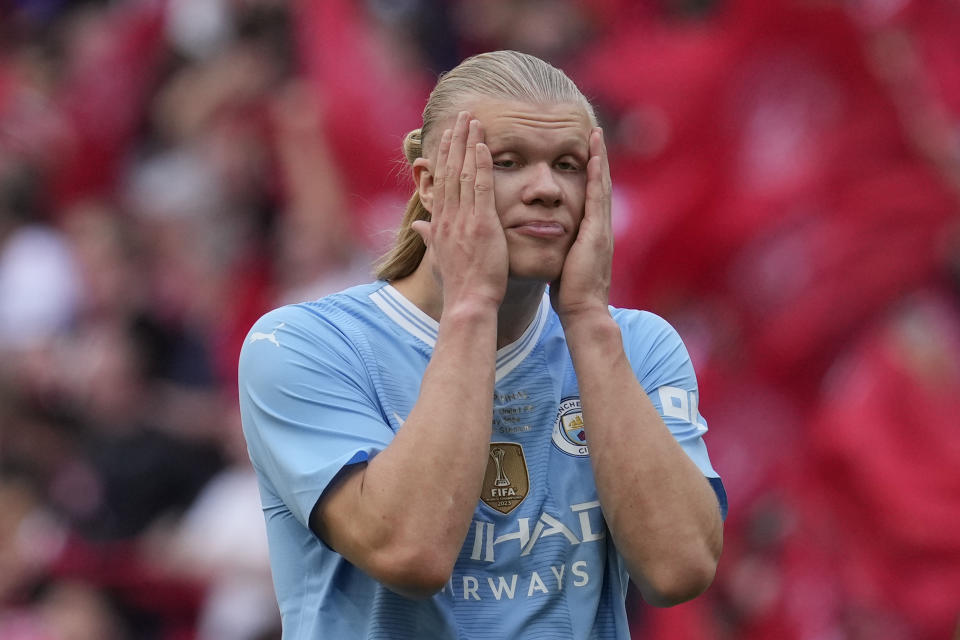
(661, 512)
(411, 511)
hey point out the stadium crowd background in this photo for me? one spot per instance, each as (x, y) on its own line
(787, 194)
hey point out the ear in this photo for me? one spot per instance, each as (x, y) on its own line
(423, 178)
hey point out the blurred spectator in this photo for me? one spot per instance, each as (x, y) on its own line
(222, 541)
(38, 288)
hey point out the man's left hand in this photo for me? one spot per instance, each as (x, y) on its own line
(584, 284)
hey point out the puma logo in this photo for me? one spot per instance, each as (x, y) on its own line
(269, 337)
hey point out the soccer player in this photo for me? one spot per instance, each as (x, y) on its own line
(458, 450)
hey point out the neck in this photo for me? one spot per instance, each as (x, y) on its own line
(517, 311)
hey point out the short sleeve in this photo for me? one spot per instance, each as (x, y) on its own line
(662, 365)
(307, 405)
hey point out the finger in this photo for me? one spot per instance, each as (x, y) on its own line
(599, 190)
(595, 192)
(468, 173)
(607, 183)
(604, 161)
(483, 184)
(438, 174)
(458, 143)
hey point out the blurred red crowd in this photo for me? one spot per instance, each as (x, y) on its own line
(787, 194)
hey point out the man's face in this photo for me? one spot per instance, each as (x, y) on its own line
(540, 155)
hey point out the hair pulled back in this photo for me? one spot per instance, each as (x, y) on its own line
(506, 75)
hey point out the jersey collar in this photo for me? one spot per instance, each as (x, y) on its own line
(414, 321)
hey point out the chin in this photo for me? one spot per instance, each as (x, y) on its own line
(537, 261)
(545, 271)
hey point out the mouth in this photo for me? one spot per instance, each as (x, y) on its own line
(540, 229)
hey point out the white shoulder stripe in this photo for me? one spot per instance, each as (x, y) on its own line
(413, 320)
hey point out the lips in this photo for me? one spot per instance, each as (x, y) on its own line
(540, 228)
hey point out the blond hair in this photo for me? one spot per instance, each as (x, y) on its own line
(507, 75)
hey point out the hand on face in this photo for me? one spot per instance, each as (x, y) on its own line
(464, 236)
(584, 283)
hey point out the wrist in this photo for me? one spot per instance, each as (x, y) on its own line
(471, 311)
(594, 327)
(585, 317)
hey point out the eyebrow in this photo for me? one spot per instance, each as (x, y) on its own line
(573, 145)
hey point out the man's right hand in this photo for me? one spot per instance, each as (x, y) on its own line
(465, 240)
(386, 516)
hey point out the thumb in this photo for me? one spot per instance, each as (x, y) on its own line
(424, 229)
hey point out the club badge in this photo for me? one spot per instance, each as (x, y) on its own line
(569, 433)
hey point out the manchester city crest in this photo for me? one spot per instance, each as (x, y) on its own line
(569, 433)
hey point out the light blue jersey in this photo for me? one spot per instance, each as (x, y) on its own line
(328, 384)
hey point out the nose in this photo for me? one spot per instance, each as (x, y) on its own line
(541, 187)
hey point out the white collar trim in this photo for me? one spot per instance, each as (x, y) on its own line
(421, 326)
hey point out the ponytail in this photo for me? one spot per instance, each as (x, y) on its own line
(408, 249)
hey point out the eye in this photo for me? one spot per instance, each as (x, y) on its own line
(568, 164)
(504, 163)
